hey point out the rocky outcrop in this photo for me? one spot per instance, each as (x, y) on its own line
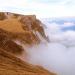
(23, 24)
(9, 45)
(2, 16)
(22, 28)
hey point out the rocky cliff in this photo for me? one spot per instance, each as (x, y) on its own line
(23, 28)
(22, 24)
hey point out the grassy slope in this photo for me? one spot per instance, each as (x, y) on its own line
(11, 65)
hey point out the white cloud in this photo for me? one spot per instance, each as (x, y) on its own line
(68, 24)
(42, 8)
(58, 55)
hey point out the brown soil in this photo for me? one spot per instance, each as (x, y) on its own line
(11, 25)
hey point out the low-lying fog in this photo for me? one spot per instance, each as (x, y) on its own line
(57, 56)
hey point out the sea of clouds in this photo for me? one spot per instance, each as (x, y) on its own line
(59, 54)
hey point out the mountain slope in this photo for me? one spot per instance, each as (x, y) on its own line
(11, 65)
(22, 28)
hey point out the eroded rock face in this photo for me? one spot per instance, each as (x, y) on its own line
(2, 16)
(22, 28)
(17, 23)
(9, 45)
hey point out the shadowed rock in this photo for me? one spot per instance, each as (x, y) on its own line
(2, 16)
(7, 44)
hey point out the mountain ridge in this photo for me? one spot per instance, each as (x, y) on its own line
(13, 27)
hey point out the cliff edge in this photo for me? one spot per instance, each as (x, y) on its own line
(23, 28)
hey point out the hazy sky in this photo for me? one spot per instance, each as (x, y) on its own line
(42, 8)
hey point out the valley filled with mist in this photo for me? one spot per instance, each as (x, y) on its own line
(58, 54)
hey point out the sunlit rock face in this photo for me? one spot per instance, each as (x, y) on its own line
(27, 30)
(27, 27)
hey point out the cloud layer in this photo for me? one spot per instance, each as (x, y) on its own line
(58, 55)
(42, 8)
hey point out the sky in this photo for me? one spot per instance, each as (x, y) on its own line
(41, 8)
